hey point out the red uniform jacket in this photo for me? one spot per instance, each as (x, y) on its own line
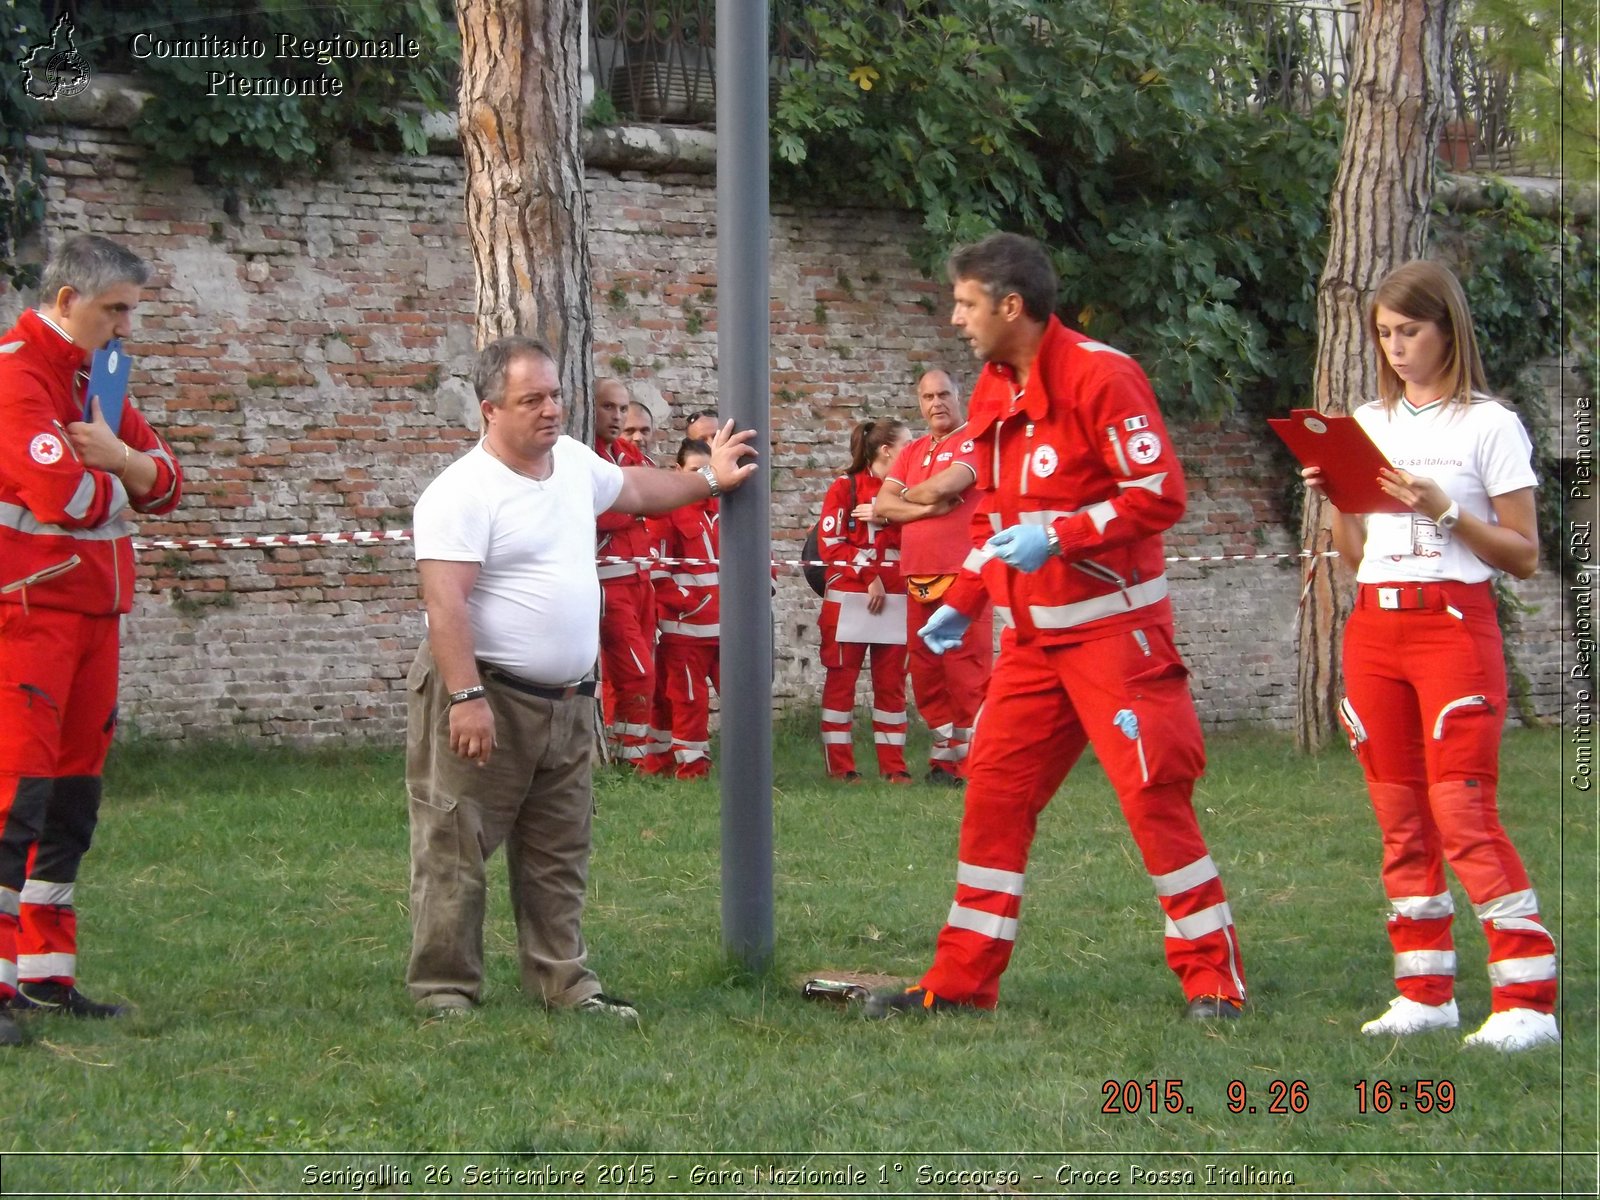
(52, 507)
(857, 552)
(1083, 449)
(686, 578)
(622, 535)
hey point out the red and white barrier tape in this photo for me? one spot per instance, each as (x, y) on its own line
(368, 538)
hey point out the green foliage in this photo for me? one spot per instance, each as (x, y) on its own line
(1532, 286)
(21, 166)
(203, 114)
(1186, 223)
(1550, 53)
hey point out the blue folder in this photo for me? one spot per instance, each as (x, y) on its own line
(108, 381)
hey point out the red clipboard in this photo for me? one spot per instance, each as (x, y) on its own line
(1341, 449)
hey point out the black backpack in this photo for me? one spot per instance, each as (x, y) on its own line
(811, 567)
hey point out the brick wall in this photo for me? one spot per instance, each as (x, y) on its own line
(308, 358)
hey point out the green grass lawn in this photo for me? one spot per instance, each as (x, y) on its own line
(252, 905)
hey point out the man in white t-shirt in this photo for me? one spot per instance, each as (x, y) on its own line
(500, 713)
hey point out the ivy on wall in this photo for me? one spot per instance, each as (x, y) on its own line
(248, 94)
(21, 166)
(1185, 212)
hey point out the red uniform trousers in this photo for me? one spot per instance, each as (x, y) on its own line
(1127, 694)
(627, 664)
(949, 687)
(842, 662)
(58, 710)
(690, 668)
(1425, 707)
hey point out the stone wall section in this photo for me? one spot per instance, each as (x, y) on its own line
(307, 353)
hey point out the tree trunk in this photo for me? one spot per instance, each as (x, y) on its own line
(1377, 219)
(521, 111)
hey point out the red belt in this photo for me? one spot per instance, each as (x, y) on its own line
(1403, 597)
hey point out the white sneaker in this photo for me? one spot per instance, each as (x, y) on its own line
(1408, 1016)
(1514, 1029)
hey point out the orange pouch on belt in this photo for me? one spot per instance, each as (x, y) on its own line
(926, 589)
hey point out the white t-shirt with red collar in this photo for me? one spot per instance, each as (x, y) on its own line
(1474, 452)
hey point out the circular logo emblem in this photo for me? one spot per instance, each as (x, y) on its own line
(966, 446)
(1044, 462)
(1316, 426)
(827, 524)
(46, 449)
(1144, 448)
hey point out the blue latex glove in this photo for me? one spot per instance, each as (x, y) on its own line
(1024, 547)
(945, 629)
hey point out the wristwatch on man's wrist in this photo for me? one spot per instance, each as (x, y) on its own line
(475, 692)
(1052, 542)
(1448, 518)
(711, 478)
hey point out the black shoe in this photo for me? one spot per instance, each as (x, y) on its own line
(62, 999)
(914, 999)
(1212, 1008)
(10, 1031)
(945, 779)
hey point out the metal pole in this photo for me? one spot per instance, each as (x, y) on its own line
(743, 333)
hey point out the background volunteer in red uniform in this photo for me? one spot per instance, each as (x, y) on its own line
(862, 556)
(929, 493)
(627, 610)
(66, 578)
(688, 614)
(1424, 666)
(1081, 481)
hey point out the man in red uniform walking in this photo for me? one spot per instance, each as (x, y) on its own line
(66, 578)
(1081, 482)
(627, 612)
(929, 492)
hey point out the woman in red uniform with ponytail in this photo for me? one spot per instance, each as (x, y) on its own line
(1424, 669)
(862, 556)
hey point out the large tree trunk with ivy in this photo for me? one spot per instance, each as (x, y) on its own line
(1377, 219)
(521, 110)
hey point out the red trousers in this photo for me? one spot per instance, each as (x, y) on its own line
(1425, 708)
(627, 664)
(949, 687)
(690, 668)
(1128, 696)
(842, 662)
(58, 710)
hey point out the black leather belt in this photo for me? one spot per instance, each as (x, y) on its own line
(506, 679)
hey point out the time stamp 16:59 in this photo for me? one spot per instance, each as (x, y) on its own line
(1286, 1097)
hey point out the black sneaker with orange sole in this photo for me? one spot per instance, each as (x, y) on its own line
(914, 999)
(1214, 1008)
